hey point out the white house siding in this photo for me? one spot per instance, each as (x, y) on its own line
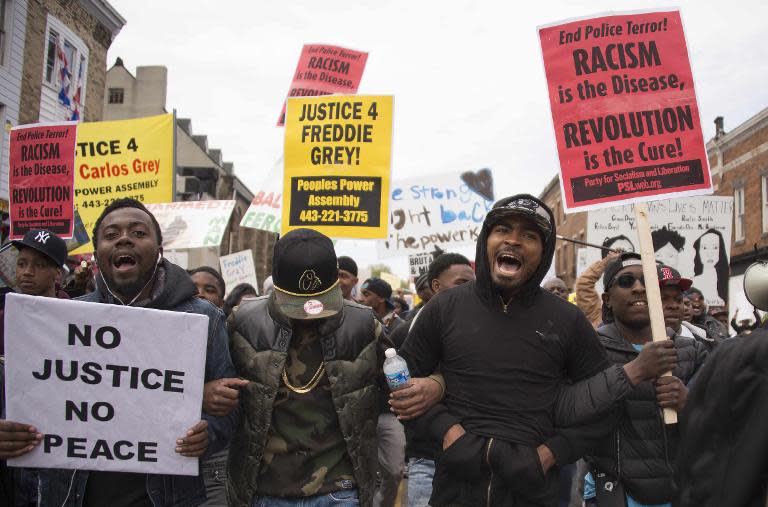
(10, 82)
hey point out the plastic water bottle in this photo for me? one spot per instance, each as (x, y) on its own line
(396, 370)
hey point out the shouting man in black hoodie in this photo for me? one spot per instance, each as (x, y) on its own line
(507, 349)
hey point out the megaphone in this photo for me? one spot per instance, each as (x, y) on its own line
(756, 285)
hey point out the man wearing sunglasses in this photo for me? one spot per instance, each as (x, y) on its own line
(636, 461)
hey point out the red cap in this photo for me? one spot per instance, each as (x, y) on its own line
(670, 276)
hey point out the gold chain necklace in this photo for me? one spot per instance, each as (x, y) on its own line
(309, 385)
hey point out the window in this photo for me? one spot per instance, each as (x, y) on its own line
(564, 264)
(764, 181)
(50, 59)
(69, 54)
(65, 73)
(72, 61)
(82, 71)
(738, 215)
(116, 95)
(54, 63)
(581, 237)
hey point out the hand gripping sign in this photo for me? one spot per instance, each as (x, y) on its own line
(626, 121)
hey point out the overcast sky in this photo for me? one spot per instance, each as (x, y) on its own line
(467, 76)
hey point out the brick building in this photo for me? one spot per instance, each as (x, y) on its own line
(42, 41)
(573, 225)
(739, 164)
(66, 39)
(52, 53)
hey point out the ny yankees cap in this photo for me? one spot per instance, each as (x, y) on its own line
(522, 205)
(305, 273)
(45, 242)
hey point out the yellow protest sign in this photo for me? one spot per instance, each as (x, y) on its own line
(125, 158)
(391, 279)
(337, 165)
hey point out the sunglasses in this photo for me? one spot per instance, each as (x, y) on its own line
(627, 280)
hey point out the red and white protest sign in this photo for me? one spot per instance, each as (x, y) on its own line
(323, 70)
(42, 178)
(624, 109)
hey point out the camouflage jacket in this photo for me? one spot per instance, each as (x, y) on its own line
(353, 347)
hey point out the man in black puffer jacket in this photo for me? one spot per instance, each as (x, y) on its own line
(723, 457)
(637, 458)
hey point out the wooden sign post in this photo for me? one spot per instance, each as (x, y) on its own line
(603, 162)
(652, 290)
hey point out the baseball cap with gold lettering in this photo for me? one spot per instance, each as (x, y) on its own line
(305, 273)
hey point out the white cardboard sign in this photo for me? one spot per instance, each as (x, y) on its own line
(419, 264)
(691, 234)
(192, 224)
(238, 268)
(444, 210)
(106, 384)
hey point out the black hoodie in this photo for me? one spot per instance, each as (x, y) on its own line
(503, 370)
(171, 288)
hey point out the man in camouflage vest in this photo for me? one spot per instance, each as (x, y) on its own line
(307, 433)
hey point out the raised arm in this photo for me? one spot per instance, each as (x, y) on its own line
(587, 298)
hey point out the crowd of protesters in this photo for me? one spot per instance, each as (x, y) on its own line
(517, 396)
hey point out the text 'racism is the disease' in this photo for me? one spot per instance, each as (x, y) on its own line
(624, 108)
(337, 161)
(41, 163)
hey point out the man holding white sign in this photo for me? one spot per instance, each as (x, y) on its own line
(133, 272)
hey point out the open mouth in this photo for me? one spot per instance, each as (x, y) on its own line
(124, 262)
(641, 303)
(508, 264)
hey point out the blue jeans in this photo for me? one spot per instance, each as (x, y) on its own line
(421, 471)
(214, 472)
(337, 498)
